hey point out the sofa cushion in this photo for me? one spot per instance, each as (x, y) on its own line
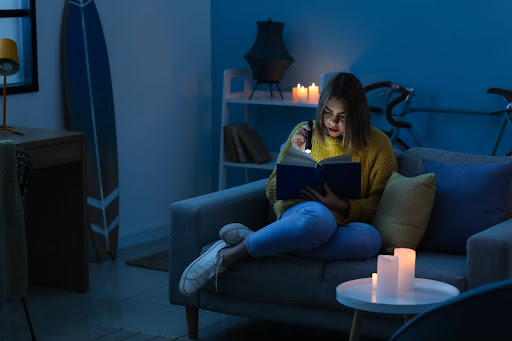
(448, 268)
(404, 210)
(469, 198)
(304, 282)
(281, 279)
(411, 163)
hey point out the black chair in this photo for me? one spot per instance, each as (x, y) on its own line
(24, 167)
(15, 169)
(479, 314)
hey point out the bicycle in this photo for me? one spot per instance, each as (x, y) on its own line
(507, 95)
(404, 96)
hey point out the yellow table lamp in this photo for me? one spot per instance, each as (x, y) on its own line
(9, 65)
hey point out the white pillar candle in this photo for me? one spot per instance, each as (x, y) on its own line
(387, 274)
(374, 280)
(406, 268)
(295, 93)
(303, 95)
(313, 94)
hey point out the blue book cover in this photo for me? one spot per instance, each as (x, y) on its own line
(298, 169)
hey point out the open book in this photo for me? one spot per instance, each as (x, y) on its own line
(298, 169)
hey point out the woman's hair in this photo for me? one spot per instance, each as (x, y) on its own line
(349, 90)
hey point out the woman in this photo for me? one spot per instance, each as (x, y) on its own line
(319, 227)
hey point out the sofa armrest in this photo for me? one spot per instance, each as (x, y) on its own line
(490, 255)
(197, 221)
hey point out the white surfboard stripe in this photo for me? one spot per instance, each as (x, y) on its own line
(80, 4)
(113, 224)
(101, 204)
(99, 229)
(93, 117)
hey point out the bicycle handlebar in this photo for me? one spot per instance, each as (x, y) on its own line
(403, 95)
(505, 93)
(375, 109)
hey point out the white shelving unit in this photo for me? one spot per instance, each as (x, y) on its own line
(258, 98)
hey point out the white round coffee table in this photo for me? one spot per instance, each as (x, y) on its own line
(360, 295)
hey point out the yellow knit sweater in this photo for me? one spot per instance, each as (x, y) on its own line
(377, 163)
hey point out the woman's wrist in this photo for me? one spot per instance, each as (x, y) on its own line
(343, 207)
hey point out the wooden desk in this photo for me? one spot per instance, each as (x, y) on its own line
(56, 218)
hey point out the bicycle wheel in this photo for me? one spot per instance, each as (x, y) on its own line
(398, 141)
(401, 144)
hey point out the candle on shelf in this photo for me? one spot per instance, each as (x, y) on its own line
(387, 274)
(313, 94)
(374, 280)
(303, 95)
(295, 93)
(406, 268)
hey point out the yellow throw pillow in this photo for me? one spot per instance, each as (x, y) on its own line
(404, 210)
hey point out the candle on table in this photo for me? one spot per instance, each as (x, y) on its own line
(387, 274)
(374, 297)
(295, 93)
(313, 94)
(406, 268)
(374, 280)
(303, 95)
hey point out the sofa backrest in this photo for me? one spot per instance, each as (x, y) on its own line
(410, 163)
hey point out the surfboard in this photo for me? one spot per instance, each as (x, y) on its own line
(89, 107)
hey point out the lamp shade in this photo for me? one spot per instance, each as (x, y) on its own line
(9, 62)
(268, 57)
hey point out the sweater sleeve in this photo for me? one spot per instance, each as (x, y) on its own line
(382, 164)
(280, 206)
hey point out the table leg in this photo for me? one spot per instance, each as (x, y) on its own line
(355, 332)
(407, 317)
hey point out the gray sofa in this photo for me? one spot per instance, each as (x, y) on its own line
(293, 290)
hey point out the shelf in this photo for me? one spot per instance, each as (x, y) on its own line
(263, 98)
(260, 97)
(267, 165)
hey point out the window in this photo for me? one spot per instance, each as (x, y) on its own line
(18, 22)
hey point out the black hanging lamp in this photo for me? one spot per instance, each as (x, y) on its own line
(268, 57)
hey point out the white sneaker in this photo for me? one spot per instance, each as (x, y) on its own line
(234, 233)
(202, 269)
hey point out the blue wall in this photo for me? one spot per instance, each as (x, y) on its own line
(451, 52)
(153, 98)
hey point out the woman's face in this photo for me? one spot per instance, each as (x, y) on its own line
(334, 117)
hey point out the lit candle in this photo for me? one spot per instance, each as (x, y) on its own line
(406, 268)
(374, 280)
(303, 95)
(313, 94)
(387, 273)
(295, 93)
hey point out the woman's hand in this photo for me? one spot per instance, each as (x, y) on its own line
(299, 138)
(330, 200)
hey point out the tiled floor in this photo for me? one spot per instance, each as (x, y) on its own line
(133, 299)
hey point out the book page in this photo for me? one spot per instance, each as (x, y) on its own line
(344, 157)
(296, 156)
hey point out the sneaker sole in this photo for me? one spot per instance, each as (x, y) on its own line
(185, 272)
(233, 227)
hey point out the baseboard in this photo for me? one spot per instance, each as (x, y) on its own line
(143, 236)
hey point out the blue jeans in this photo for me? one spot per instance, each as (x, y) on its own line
(310, 230)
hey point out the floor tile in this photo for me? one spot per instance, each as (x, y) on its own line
(146, 317)
(158, 295)
(120, 280)
(55, 309)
